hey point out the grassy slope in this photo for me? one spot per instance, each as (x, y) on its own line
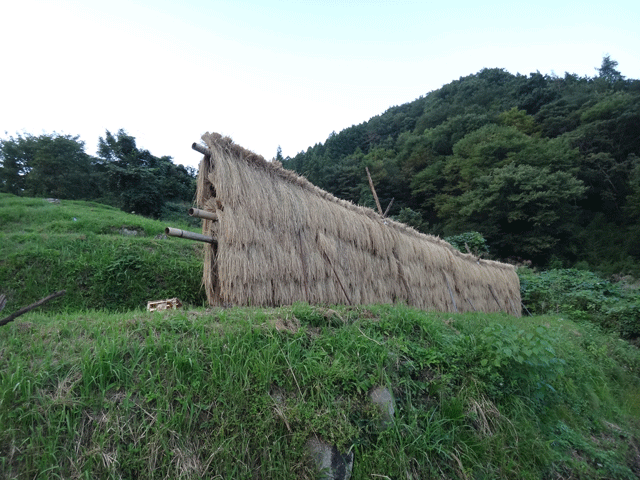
(236, 393)
(78, 246)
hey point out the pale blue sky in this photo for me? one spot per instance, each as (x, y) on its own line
(271, 73)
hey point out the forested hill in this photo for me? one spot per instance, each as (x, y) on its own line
(547, 168)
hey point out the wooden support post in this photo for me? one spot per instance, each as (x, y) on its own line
(388, 207)
(472, 305)
(338, 278)
(373, 190)
(515, 312)
(495, 297)
(455, 307)
(303, 258)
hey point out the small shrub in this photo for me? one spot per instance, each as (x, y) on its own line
(474, 240)
(627, 317)
(521, 360)
(583, 296)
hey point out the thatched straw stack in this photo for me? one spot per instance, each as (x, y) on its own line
(281, 239)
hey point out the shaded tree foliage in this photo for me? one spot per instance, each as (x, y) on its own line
(542, 166)
(53, 165)
(48, 165)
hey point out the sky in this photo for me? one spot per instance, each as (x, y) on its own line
(275, 73)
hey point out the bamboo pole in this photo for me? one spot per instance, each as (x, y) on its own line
(201, 149)
(24, 310)
(176, 232)
(196, 212)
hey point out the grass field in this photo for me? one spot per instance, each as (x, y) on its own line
(236, 393)
(88, 250)
(92, 386)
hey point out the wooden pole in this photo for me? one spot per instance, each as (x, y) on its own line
(339, 281)
(525, 308)
(24, 310)
(515, 312)
(472, 306)
(455, 307)
(373, 190)
(201, 149)
(304, 267)
(176, 232)
(388, 207)
(495, 297)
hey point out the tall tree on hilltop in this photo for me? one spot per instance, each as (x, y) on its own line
(279, 157)
(139, 181)
(608, 70)
(48, 165)
(15, 158)
(130, 175)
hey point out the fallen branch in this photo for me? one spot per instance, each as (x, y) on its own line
(24, 310)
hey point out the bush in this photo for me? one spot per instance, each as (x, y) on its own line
(627, 316)
(474, 240)
(583, 296)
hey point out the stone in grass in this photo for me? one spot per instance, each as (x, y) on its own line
(383, 398)
(331, 464)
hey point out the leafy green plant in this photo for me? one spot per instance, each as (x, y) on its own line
(474, 240)
(525, 360)
(582, 295)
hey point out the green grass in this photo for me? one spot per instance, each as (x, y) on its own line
(81, 247)
(236, 393)
(91, 386)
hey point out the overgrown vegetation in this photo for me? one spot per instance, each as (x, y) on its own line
(102, 257)
(236, 393)
(584, 296)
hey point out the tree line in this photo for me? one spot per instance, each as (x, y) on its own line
(121, 175)
(546, 168)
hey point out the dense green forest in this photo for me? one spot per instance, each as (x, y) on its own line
(121, 175)
(546, 168)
